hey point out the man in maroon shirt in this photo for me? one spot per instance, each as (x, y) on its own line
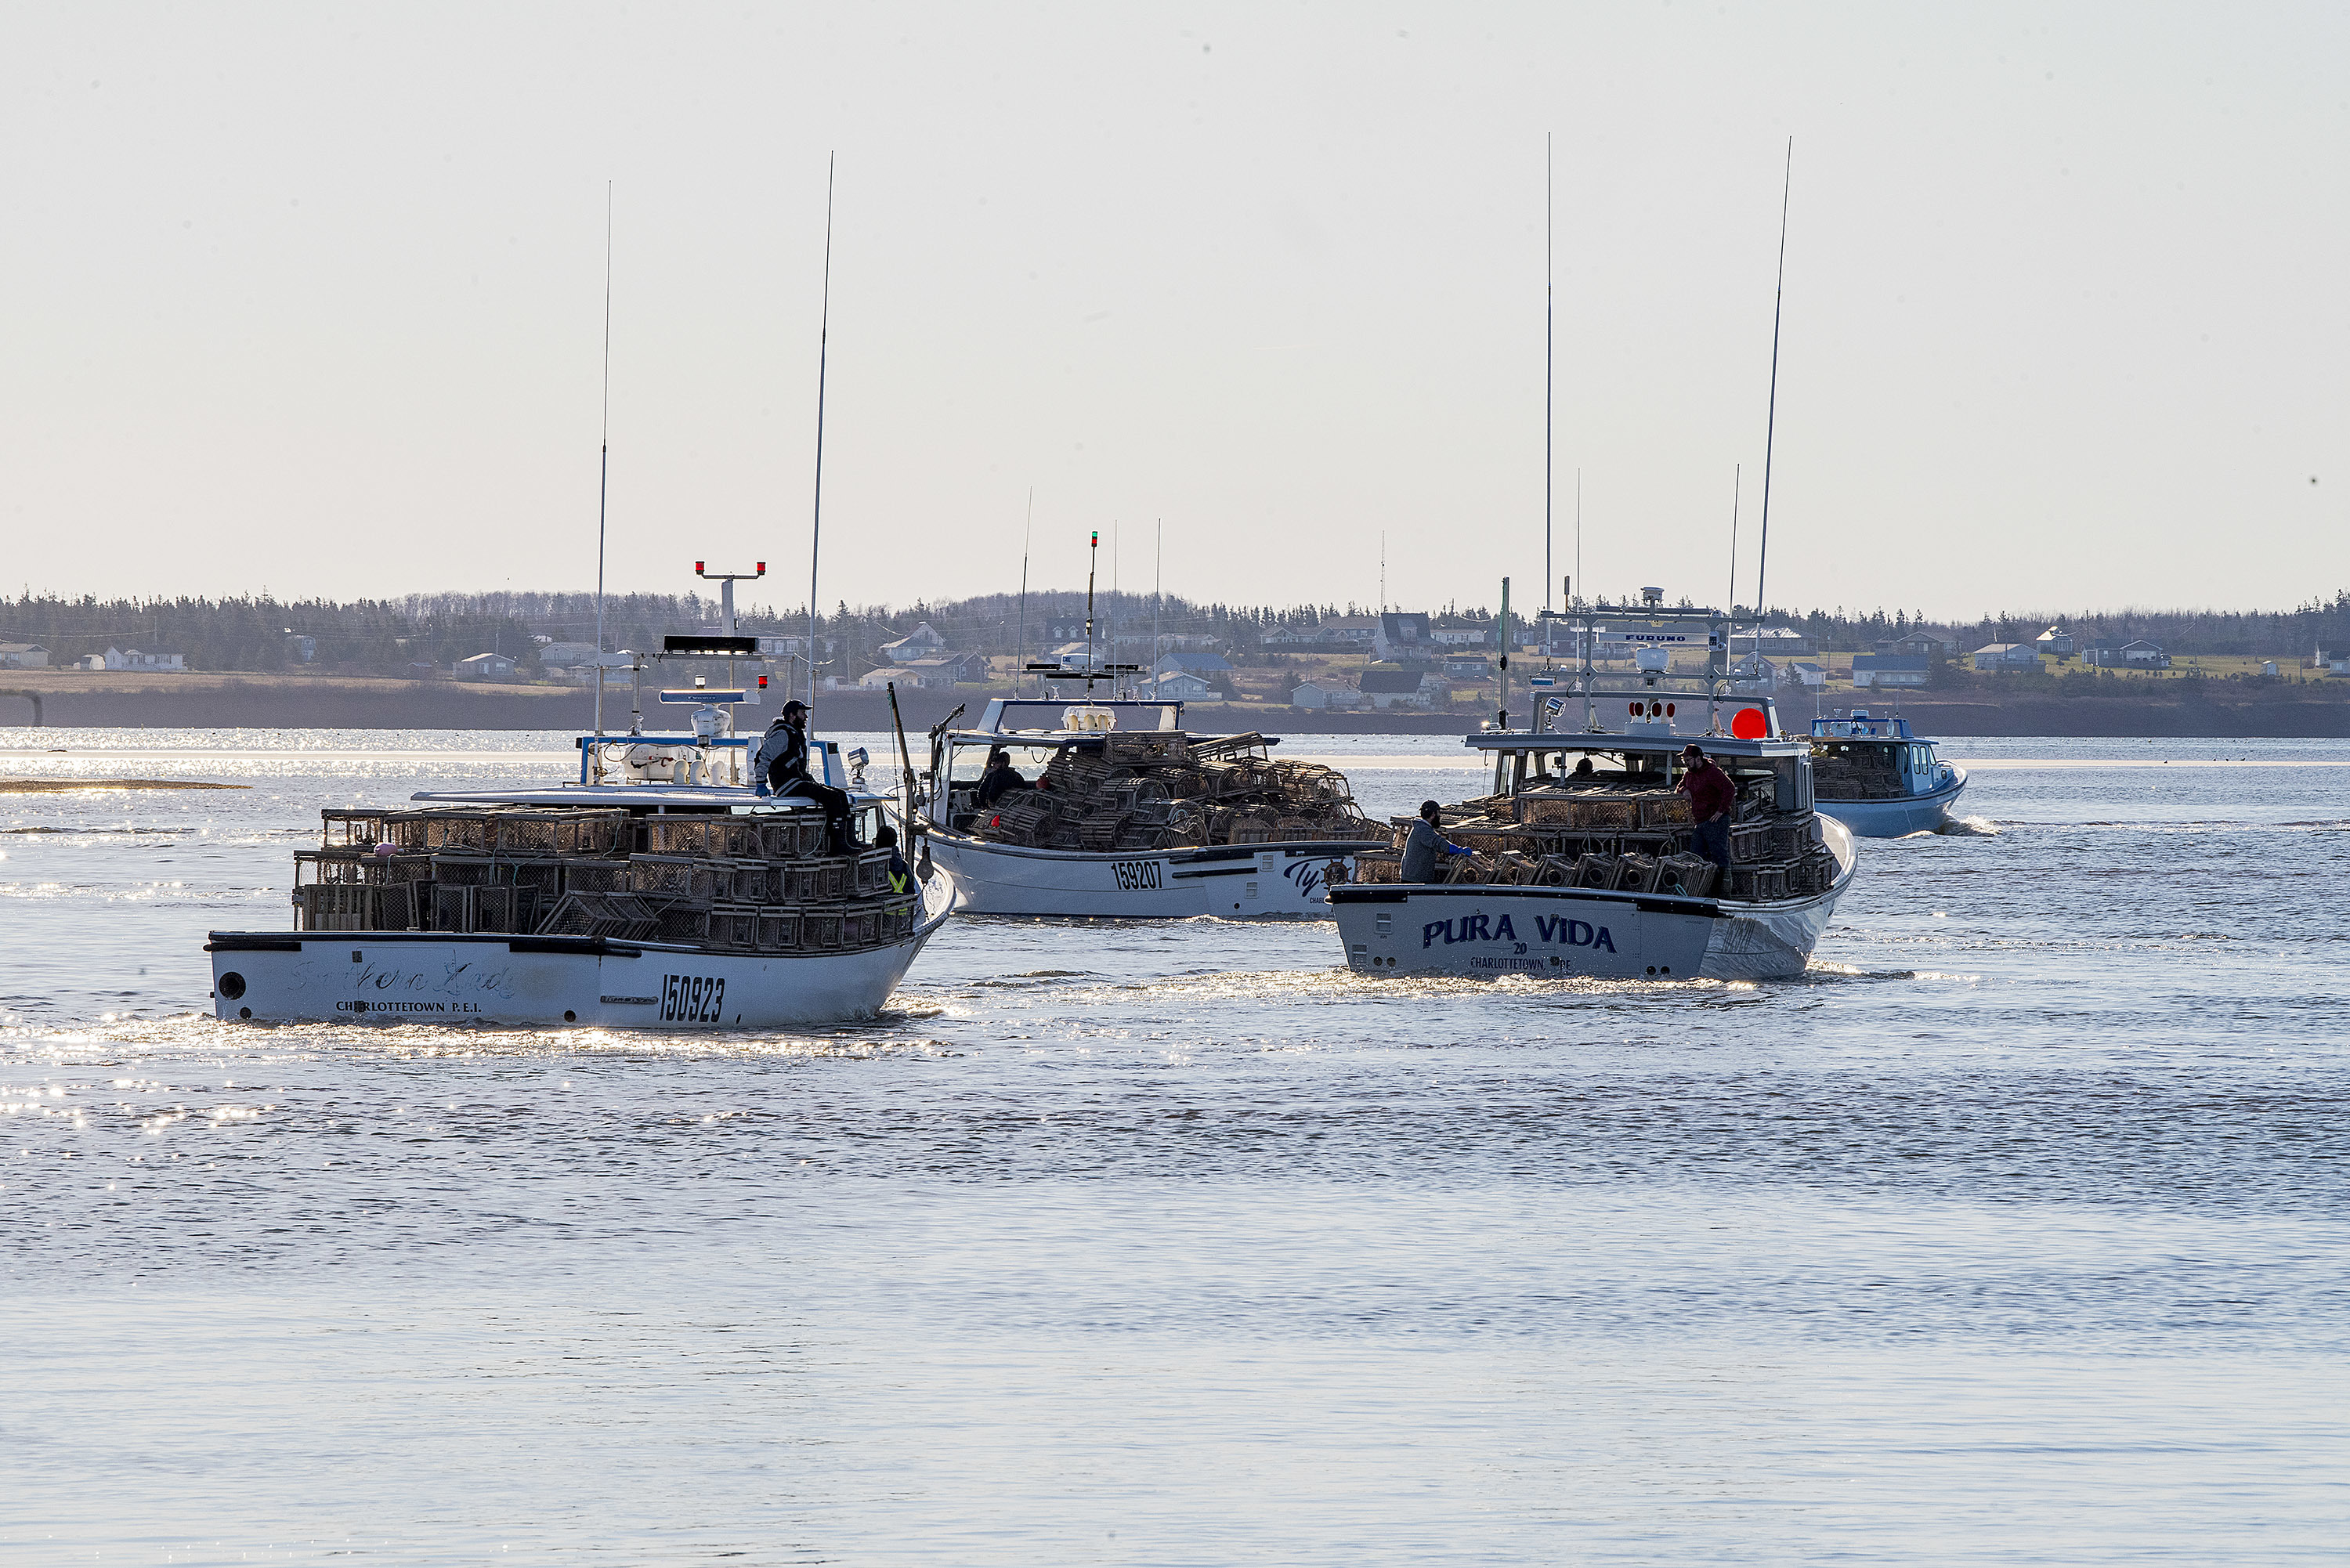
(1713, 799)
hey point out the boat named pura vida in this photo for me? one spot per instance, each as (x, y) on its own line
(1581, 862)
(1119, 812)
(1878, 779)
(656, 890)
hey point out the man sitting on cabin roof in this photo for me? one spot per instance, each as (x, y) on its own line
(781, 768)
(1422, 845)
(1713, 797)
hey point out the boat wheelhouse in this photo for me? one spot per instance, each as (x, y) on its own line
(1879, 779)
(1582, 861)
(1121, 813)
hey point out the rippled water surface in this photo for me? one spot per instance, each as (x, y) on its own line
(2014, 1233)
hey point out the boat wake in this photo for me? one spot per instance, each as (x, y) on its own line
(1967, 827)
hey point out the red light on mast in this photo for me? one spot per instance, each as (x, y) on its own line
(763, 568)
(697, 568)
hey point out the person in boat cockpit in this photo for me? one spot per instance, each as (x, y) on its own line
(999, 778)
(1423, 843)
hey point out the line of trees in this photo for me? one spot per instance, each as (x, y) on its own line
(392, 636)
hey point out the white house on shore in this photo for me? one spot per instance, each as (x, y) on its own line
(485, 667)
(131, 659)
(1401, 688)
(1326, 694)
(1183, 686)
(23, 656)
(1894, 669)
(923, 642)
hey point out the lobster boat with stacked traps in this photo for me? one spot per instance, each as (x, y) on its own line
(1120, 813)
(653, 892)
(1582, 861)
(1878, 779)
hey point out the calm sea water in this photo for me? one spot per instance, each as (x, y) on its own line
(2014, 1233)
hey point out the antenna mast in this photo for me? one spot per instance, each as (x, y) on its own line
(1019, 643)
(823, 350)
(604, 474)
(1737, 472)
(1093, 559)
(1549, 364)
(1770, 422)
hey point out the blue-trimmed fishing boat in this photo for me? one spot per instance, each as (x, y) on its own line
(1879, 779)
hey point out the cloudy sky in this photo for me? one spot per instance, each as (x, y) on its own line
(311, 297)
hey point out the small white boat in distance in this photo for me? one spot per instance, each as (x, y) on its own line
(1879, 780)
(1123, 815)
(1588, 871)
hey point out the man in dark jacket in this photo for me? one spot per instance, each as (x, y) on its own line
(901, 876)
(1713, 799)
(782, 766)
(1424, 844)
(1001, 778)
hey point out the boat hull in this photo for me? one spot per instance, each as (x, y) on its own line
(1485, 932)
(522, 982)
(1897, 818)
(1237, 883)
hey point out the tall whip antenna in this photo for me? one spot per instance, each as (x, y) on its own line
(604, 469)
(1737, 472)
(1549, 363)
(1020, 642)
(823, 348)
(1771, 422)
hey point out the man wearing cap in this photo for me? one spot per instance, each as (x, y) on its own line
(781, 768)
(1424, 844)
(1712, 798)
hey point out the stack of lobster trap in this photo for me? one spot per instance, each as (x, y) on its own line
(1856, 773)
(763, 883)
(1162, 790)
(1621, 840)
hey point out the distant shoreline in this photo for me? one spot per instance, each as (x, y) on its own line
(201, 701)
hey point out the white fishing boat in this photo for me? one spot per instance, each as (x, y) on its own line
(635, 902)
(1878, 779)
(1122, 813)
(1583, 870)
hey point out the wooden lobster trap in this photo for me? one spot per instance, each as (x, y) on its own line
(1663, 810)
(1139, 747)
(788, 837)
(521, 831)
(720, 837)
(674, 876)
(345, 829)
(1024, 816)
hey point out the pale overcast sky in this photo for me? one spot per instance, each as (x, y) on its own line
(310, 296)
